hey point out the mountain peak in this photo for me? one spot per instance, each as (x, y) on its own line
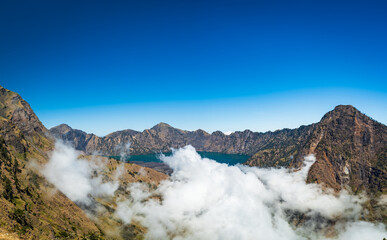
(343, 111)
(62, 129)
(17, 111)
(64, 126)
(161, 125)
(341, 108)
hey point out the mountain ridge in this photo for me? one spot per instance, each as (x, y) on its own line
(339, 140)
(350, 148)
(69, 132)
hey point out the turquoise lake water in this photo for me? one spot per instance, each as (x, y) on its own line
(230, 159)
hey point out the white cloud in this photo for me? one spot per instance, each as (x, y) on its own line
(77, 178)
(204, 199)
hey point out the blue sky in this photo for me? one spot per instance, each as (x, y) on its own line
(103, 66)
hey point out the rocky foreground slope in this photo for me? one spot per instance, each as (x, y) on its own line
(28, 205)
(31, 207)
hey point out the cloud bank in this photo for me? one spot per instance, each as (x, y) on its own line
(204, 199)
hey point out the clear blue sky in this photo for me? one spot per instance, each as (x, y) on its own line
(103, 66)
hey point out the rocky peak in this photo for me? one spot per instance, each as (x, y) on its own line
(342, 111)
(344, 108)
(126, 132)
(14, 109)
(201, 132)
(164, 128)
(218, 133)
(348, 124)
(161, 126)
(62, 128)
(348, 146)
(19, 126)
(66, 130)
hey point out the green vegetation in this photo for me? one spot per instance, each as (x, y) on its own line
(8, 191)
(23, 220)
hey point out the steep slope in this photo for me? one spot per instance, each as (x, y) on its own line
(350, 149)
(30, 205)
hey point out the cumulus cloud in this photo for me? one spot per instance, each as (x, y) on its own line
(204, 199)
(77, 178)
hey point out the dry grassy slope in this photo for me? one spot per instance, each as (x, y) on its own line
(104, 207)
(29, 205)
(31, 208)
(4, 235)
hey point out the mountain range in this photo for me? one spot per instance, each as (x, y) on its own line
(350, 147)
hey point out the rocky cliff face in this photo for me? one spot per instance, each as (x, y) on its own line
(350, 149)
